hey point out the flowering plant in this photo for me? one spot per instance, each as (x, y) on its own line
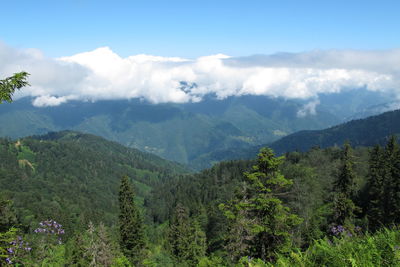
(17, 249)
(51, 227)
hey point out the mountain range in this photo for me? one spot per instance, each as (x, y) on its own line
(188, 133)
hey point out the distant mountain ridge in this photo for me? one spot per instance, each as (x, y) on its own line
(190, 133)
(178, 132)
(362, 132)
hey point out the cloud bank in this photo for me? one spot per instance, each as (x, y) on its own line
(101, 74)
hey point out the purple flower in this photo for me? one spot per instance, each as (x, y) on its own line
(340, 229)
(349, 234)
(50, 227)
(8, 261)
(337, 230)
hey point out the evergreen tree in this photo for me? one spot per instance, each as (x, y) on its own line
(186, 239)
(344, 188)
(7, 215)
(376, 188)
(392, 189)
(260, 224)
(76, 255)
(131, 228)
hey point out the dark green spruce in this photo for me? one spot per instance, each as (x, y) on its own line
(187, 241)
(377, 179)
(260, 224)
(344, 187)
(392, 189)
(131, 228)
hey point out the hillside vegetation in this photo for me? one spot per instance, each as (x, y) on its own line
(323, 206)
(363, 132)
(74, 177)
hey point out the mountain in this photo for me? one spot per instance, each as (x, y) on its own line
(363, 132)
(75, 177)
(376, 110)
(355, 104)
(178, 132)
(191, 133)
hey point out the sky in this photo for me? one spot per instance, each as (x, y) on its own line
(90, 50)
(193, 28)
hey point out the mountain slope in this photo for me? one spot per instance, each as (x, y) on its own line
(364, 132)
(74, 177)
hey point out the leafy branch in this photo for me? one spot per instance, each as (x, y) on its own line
(10, 84)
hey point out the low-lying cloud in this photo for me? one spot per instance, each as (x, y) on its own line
(101, 74)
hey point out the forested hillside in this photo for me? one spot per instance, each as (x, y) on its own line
(74, 177)
(363, 132)
(291, 210)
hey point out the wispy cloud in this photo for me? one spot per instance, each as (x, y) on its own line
(102, 74)
(308, 109)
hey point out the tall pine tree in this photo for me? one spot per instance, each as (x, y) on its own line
(186, 239)
(344, 187)
(376, 188)
(131, 228)
(392, 189)
(260, 225)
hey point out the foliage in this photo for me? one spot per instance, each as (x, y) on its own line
(131, 228)
(10, 84)
(344, 186)
(186, 240)
(379, 249)
(5, 239)
(7, 214)
(260, 224)
(72, 164)
(266, 219)
(93, 247)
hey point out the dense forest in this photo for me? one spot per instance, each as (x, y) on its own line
(71, 199)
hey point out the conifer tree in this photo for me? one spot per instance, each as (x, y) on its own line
(376, 188)
(131, 228)
(344, 206)
(260, 224)
(392, 189)
(186, 239)
(75, 252)
(7, 214)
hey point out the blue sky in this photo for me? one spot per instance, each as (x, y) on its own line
(197, 28)
(97, 50)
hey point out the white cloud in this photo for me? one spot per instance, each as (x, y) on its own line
(102, 74)
(308, 109)
(49, 101)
